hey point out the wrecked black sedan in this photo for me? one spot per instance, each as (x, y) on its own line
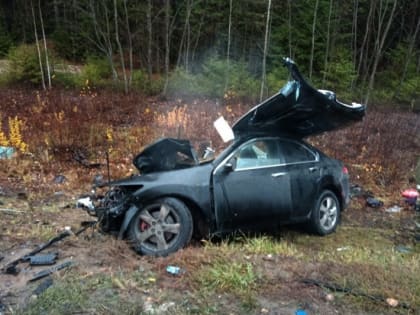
(266, 177)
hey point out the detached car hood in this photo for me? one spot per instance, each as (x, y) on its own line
(166, 154)
(298, 109)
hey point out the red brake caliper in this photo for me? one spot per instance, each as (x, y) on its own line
(144, 226)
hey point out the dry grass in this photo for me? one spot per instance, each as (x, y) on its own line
(226, 277)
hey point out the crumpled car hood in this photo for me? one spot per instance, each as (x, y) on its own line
(166, 154)
(298, 109)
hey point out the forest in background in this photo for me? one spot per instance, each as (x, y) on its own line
(367, 51)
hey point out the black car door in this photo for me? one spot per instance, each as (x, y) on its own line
(252, 186)
(303, 167)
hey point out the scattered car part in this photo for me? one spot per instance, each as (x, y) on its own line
(267, 176)
(41, 260)
(85, 202)
(174, 270)
(43, 286)
(11, 268)
(6, 152)
(394, 209)
(374, 202)
(410, 196)
(47, 272)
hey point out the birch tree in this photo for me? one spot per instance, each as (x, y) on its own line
(167, 48)
(267, 30)
(383, 29)
(47, 62)
(37, 46)
(311, 61)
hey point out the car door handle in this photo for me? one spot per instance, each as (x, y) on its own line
(278, 174)
(313, 169)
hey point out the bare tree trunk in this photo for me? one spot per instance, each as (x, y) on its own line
(267, 30)
(311, 62)
(184, 32)
(130, 44)
(197, 38)
(289, 24)
(37, 46)
(364, 43)
(149, 39)
(117, 39)
(327, 45)
(379, 44)
(228, 46)
(188, 43)
(47, 62)
(354, 38)
(167, 51)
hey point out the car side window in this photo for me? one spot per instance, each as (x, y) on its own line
(258, 153)
(294, 152)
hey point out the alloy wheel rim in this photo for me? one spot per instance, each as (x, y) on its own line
(328, 213)
(157, 227)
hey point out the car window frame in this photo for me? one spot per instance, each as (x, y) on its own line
(250, 141)
(314, 153)
(278, 139)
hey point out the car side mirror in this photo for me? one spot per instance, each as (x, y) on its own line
(230, 165)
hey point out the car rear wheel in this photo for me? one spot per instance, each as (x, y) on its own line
(161, 227)
(326, 214)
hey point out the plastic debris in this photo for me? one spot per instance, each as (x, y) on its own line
(47, 272)
(174, 270)
(300, 312)
(403, 249)
(410, 196)
(85, 202)
(59, 179)
(340, 249)
(41, 260)
(355, 191)
(373, 202)
(392, 302)
(6, 152)
(394, 209)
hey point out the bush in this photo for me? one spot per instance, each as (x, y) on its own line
(183, 83)
(68, 80)
(214, 79)
(276, 79)
(24, 64)
(340, 75)
(96, 70)
(5, 43)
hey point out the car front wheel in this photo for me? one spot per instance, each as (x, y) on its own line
(326, 214)
(161, 227)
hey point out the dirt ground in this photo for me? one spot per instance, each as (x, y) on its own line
(95, 253)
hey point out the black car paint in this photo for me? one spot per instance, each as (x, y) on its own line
(298, 109)
(215, 190)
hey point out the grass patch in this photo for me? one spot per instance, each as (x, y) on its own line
(66, 297)
(118, 293)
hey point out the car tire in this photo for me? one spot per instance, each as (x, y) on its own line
(326, 213)
(161, 227)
